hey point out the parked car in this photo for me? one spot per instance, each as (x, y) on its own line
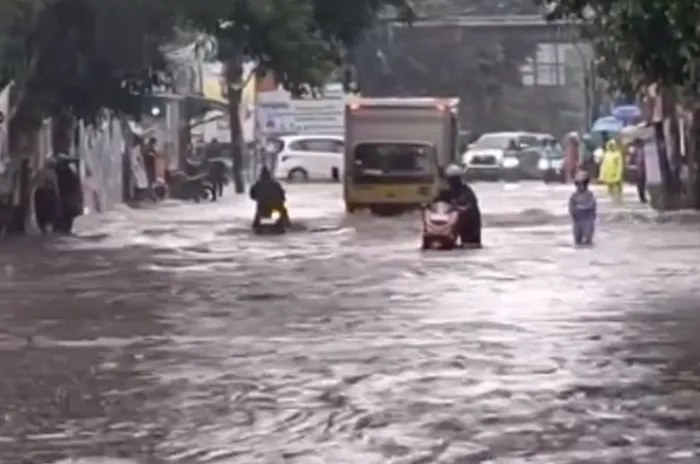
(489, 157)
(551, 166)
(303, 158)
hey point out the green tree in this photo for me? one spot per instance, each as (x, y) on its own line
(641, 43)
(301, 42)
(73, 58)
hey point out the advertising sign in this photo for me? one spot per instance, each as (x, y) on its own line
(323, 116)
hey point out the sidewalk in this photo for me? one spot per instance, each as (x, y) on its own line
(631, 208)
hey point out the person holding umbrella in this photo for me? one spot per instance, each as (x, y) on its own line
(607, 128)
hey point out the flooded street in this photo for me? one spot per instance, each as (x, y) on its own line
(172, 335)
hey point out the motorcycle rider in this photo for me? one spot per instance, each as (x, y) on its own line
(458, 192)
(268, 195)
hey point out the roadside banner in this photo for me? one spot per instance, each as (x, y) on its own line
(279, 113)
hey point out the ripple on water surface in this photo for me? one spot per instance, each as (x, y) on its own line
(351, 346)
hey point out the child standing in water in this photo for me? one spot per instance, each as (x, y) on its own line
(582, 208)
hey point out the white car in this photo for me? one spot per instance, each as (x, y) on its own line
(302, 158)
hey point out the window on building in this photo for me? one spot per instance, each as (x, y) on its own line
(552, 65)
(549, 65)
(547, 75)
(527, 73)
(547, 62)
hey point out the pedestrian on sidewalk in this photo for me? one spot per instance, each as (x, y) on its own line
(639, 163)
(149, 157)
(571, 156)
(156, 161)
(611, 170)
(70, 193)
(586, 152)
(46, 196)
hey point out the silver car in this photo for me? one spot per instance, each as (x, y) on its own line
(493, 157)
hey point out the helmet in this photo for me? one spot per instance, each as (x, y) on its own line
(453, 170)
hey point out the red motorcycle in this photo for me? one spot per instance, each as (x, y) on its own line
(441, 222)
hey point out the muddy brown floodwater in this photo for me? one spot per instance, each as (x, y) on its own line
(174, 336)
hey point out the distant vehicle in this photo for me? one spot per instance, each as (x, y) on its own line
(551, 166)
(488, 158)
(303, 158)
(396, 150)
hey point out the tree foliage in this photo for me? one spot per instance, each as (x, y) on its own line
(299, 41)
(479, 64)
(77, 57)
(80, 56)
(640, 42)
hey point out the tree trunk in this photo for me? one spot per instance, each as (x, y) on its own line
(665, 196)
(128, 189)
(672, 135)
(234, 77)
(694, 157)
(62, 128)
(25, 197)
(597, 94)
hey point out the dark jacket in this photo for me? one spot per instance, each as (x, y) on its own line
(46, 206)
(267, 192)
(582, 205)
(460, 193)
(69, 190)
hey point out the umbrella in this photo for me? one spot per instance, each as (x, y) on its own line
(607, 124)
(627, 112)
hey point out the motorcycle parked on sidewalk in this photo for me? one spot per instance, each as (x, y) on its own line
(194, 183)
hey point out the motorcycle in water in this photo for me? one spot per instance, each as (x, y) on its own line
(441, 226)
(271, 222)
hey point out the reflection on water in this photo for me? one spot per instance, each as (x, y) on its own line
(192, 344)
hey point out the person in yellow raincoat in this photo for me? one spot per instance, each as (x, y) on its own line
(611, 170)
